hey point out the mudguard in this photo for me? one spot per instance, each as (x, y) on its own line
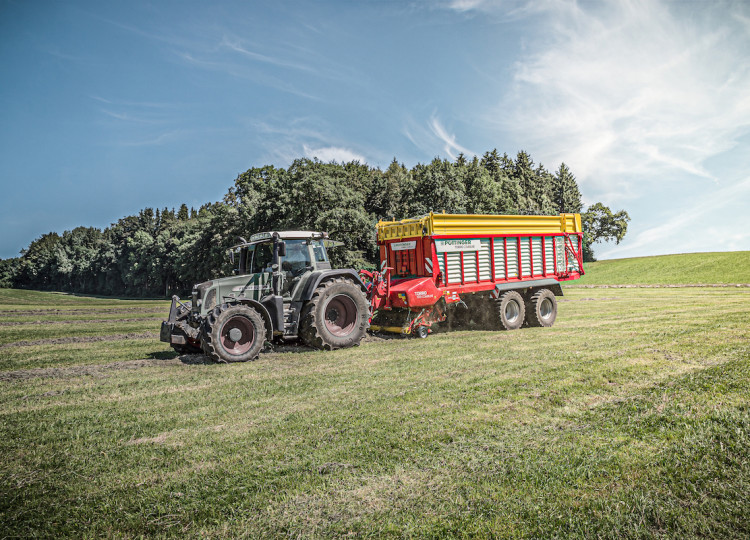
(307, 290)
(260, 308)
(551, 284)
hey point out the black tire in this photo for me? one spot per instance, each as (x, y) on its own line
(421, 332)
(541, 308)
(233, 333)
(511, 310)
(336, 316)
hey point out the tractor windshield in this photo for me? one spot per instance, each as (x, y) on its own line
(297, 257)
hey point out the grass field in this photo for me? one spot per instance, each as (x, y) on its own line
(689, 268)
(629, 418)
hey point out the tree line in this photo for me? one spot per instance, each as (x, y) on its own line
(164, 252)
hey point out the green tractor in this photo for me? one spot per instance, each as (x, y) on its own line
(284, 289)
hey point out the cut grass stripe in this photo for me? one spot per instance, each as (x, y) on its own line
(73, 339)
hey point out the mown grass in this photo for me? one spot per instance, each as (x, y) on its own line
(628, 418)
(23, 298)
(689, 268)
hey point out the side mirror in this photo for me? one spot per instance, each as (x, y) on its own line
(231, 255)
(282, 249)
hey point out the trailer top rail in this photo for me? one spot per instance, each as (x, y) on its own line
(476, 224)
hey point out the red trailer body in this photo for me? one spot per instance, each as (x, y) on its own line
(430, 263)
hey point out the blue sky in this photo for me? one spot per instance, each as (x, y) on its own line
(110, 107)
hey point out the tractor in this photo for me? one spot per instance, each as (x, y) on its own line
(283, 289)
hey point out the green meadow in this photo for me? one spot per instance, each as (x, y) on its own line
(732, 267)
(629, 418)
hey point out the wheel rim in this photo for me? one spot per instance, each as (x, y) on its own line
(341, 315)
(512, 311)
(237, 335)
(545, 308)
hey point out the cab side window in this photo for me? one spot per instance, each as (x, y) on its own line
(320, 251)
(262, 258)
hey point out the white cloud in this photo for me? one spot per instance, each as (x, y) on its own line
(466, 5)
(451, 147)
(237, 45)
(435, 139)
(647, 101)
(333, 153)
(625, 91)
(697, 227)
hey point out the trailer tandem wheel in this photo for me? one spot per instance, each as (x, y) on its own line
(511, 310)
(541, 308)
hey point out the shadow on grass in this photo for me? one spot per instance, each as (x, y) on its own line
(161, 355)
(198, 359)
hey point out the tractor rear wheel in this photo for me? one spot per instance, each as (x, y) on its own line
(233, 333)
(336, 316)
(511, 310)
(541, 308)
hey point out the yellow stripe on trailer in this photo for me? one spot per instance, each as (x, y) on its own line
(477, 224)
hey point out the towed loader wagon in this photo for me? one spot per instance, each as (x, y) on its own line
(498, 271)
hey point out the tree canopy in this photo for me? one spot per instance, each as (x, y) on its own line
(163, 252)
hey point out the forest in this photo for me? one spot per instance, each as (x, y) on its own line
(163, 252)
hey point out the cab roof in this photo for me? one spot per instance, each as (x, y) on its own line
(258, 238)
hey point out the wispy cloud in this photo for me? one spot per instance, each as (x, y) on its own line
(136, 112)
(623, 90)
(731, 233)
(646, 100)
(292, 138)
(245, 72)
(434, 138)
(139, 123)
(451, 147)
(131, 103)
(129, 117)
(237, 45)
(156, 140)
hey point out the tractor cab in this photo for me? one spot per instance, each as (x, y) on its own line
(279, 260)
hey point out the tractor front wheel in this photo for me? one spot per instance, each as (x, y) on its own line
(233, 333)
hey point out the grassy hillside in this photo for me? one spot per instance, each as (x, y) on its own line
(629, 418)
(702, 268)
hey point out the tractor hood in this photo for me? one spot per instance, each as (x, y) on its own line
(249, 286)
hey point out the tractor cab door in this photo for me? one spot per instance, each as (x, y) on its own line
(259, 262)
(296, 262)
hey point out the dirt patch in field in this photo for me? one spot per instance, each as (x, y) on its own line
(300, 347)
(98, 370)
(82, 321)
(81, 339)
(159, 439)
